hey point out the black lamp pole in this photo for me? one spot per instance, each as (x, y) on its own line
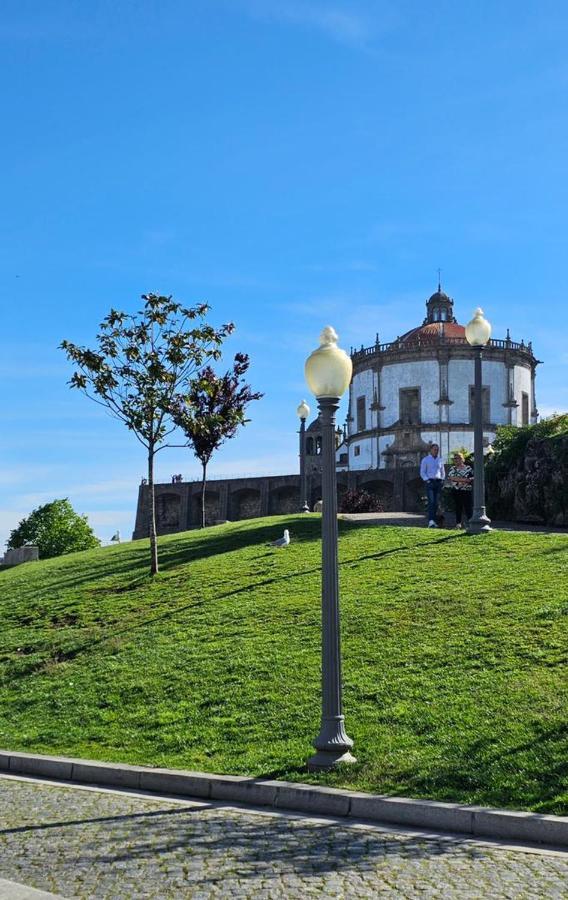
(479, 522)
(332, 743)
(303, 487)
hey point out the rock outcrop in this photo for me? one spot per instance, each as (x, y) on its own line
(533, 486)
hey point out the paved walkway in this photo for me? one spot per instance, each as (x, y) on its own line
(90, 843)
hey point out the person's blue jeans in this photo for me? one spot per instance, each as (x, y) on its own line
(433, 488)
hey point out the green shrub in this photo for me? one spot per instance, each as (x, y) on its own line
(55, 528)
(360, 502)
(527, 478)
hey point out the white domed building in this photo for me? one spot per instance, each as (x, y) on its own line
(418, 389)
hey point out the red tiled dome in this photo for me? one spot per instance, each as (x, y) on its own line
(434, 330)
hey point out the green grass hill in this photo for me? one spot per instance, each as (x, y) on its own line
(454, 658)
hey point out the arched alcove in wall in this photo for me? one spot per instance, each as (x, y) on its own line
(212, 507)
(244, 504)
(167, 511)
(284, 500)
(380, 488)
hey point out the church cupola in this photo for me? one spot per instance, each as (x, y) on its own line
(439, 308)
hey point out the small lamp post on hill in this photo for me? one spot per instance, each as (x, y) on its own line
(477, 333)
(303, 413)
(328, 373)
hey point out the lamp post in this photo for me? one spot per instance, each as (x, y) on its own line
(303, 413)
(477, 333)
(328, 373)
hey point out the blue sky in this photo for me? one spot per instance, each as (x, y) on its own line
(292, 163)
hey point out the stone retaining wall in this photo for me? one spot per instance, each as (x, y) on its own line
(178, 505)
(20, 555)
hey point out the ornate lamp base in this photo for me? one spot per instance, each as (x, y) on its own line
(333, 745)
(479, 523)
(328, 759)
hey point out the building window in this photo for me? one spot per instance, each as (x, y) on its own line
(356, 451)
(485, 404)
(409, 401)
(524, 408)
(361, 414)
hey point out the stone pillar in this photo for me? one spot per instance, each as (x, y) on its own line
(443, 402)
(510, 403)
(378, 406)
(185, 493)
(224, 500)
(534, 410)
(349, 412)
(264, 494)
(399, 480)
(194, 501)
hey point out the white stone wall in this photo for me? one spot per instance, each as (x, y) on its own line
(363, 385)
(465, 439)
(423, 374)
(461, 376)
(367, 454)
(430, 437)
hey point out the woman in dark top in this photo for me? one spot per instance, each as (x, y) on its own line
(460, 483)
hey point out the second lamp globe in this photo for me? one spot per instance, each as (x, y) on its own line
(328, 369)
(478, 331)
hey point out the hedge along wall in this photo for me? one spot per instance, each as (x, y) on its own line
(527, 479)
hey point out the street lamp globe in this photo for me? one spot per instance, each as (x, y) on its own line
(328, 369)
(478, 331)
(303, 410)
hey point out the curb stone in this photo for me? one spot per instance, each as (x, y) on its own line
(479, 821)
(10, 890)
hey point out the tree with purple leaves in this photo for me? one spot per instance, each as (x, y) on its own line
(212, 410)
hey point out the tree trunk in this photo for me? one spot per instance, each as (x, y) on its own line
(203, 482)
(152, 514)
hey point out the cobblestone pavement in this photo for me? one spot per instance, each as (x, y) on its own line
(91, 843)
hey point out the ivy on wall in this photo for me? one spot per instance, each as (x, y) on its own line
(527, 478)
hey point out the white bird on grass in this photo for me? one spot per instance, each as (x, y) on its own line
(283, 541)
